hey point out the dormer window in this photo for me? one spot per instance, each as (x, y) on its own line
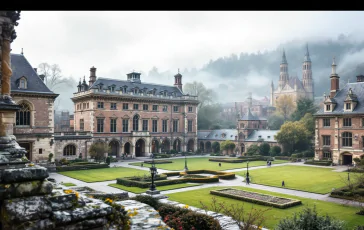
(223, 135)
(112, 89)
(22, 83)
(328, 107)
(165, 93)
(348, 106)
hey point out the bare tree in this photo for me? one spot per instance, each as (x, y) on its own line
(52, 75)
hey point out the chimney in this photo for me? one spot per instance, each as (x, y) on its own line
(360, 78)
(334, 80)
(42, 76)
(35, 69)
(92, 76)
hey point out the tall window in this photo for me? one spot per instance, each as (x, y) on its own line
(154, 126)
(175, 108)
(155, 107)
(190, 109)
(326, 140)
(347, 122)
(326, 122)
(347, 139)
(113, 106)
(175, 125)
(145, 107)
(145, 125)
(22, 84)
(82, 125)
(189, 126)
(100, 105)
(164, 126)
(69, 150)
(125, 106)
(100, 125)
(165, 108)
(136, 106)
(125, 125)
(113, 125)
(23, 115)
(136, 123)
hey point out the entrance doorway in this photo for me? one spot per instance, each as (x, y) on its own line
(127, 148)
(114, 145)
(347, 159)
(177, 145)
(155, 146)
(139, 148)
(28, 148)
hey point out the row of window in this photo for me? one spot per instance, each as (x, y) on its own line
(347, 106)
(125, 125)
(346, 122)
(346, 140)
(100, 105)
(137, 91)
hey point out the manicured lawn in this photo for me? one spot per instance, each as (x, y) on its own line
(68, 184)
(204, 163)
(304, 178)
(341, 212)
(160, 188)
(96, 175)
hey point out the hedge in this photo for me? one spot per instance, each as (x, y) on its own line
(257, 158)
(322, 163)
(356, 169)
(171, 174)
(227, 160)
(282, 158)
(81, 167)
(148, 178)
(83, 163)
(160, 155)
(216, 154)
(158, 162)
(256, 201)
(221, 175)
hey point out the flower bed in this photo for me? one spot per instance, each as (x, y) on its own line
(258, 198)
(221, 175)
(158, 162)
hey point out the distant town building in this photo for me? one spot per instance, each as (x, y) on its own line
(34, 126)
(293, 86)
(339, 124)
(62, 121)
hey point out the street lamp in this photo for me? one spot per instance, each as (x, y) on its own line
(153, 171)
(247, 170)
(186, 168)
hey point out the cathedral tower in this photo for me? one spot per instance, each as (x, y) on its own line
(283, 76)
(307, 75)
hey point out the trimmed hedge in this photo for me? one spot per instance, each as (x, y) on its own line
(171, 174)
(161, 155)
(257, 158)
(282, 158)
(256, 201)
(221, 175)
(81, 167)
(322, 163)
(216, 154)
(148, 178)
(227, 160)
(158, 162)
(83, 163)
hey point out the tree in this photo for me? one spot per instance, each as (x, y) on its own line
(275, 121)
(98, 150)
(309, 122)
(208, 117)
(285, 106)
(275, 150)
(228, 145)
(292, 133)
(216, 147)
(52, 75)
(309, 219)
(252, 150)
(205, 96)
(264, 149)
(304, 105)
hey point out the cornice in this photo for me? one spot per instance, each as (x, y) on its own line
(31, 94)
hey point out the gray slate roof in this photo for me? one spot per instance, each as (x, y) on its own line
(250, 117)
(21, 67)
(358, 89)
(267, 135)
(106, 82)
(295, 81)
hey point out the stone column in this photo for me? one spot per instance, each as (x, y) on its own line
(6, 71)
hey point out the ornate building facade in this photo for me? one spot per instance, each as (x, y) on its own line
(293, 86)
(134, 117)
(339, 124)
(34, 123)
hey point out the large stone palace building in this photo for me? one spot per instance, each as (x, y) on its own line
(34, 125)
(339, 132)
(134, 117)
(293, 86)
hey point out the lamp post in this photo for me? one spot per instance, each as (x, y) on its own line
(186, 168)
(153, 171)
(247, 170)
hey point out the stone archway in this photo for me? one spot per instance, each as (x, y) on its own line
(190, 145)
(114, 147)
(166, 145)
(155, 146)
(127, 148)
(208, 147)
(177, 145)
(346, 158)
(140, 148)
(202, 147)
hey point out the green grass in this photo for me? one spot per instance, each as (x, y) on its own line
(105, 174)
(304, 178)
(197, 163)
(341, 212)
(68, 184)
(160, 188)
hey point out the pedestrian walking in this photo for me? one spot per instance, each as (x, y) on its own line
(247, 180)
(220, 164)
(283, 185)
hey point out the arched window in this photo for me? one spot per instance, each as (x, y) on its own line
(136, 123)
(347, 139)
(69, 150)
(23, 115)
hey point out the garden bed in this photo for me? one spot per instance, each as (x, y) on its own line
(158, 162)
(258, 198)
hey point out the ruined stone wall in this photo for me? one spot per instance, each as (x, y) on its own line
(80, 145)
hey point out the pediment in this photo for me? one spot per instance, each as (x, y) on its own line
(114, 116)
(100, 115)
(126, 117)
(155, 117)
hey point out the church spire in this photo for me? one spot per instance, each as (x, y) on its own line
(284, 60)
(333, 67)
(307, 55)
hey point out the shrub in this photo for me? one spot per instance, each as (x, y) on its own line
(309, 219)
(158, 162)
(173, 151)
(275, 150)
(64, 161)
(264, 149)
(108, 160)
(216, 154)
(253, 149)
(50, 156)
(322, 163)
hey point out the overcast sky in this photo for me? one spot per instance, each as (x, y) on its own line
(116, 42)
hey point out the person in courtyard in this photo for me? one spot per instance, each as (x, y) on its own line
(220, 164)
(283, 185)
(270, 163)
(247, 180)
